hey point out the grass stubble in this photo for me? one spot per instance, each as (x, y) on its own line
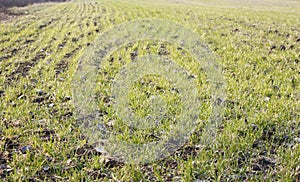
(258, 48)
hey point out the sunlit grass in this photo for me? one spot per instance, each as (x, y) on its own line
(259, 51)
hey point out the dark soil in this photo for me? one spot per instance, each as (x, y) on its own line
(6, 14)
(64, 64)
(21, 3)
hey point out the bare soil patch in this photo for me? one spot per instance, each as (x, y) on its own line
(21, 3)
(6, 13)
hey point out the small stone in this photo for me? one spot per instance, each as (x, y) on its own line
(6, 168)
(3, 166)
(297, 140)
(51, 105)
(267, 99)
(285, 137)
(67, 97)
(46, 168)
(39, 91)
(111, 123)
(69, 161)
(254, 126)
(24, 149)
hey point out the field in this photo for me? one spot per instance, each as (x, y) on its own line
(256, 45)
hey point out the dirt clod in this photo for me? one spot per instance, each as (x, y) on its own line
(282, 47)
(2, 93)
(24, 149)
(273, 47)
